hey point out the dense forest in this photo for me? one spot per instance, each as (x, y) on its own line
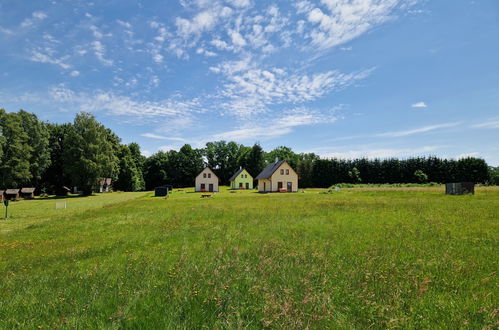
(49, 156)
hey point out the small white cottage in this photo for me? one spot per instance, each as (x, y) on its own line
(207, 180)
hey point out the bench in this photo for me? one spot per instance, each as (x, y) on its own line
(283, 190)
(206, 196)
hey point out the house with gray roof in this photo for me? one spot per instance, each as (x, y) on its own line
(278, 177)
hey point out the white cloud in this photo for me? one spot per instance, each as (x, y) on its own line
(269, 128)
(204, 21)
(338, 21)
(178, 112)
(36, 17)
(249, 91)
(100, 52)
(490, 124)
(417, 130)
(419, 105)
(240, 3)
(162, 137)
(40, 57)
(6, 31)
(74, 73)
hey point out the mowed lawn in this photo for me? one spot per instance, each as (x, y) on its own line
(357, 258)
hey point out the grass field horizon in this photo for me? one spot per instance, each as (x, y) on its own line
(377, 257)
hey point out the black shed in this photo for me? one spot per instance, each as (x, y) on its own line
(163, 190)
(460, 188)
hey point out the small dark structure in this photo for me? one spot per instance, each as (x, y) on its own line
(28, 193)
(12, 194)
(460, 188)
(62, 191)
(163, 191)
(1, 195)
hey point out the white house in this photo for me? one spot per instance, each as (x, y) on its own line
(207, 180)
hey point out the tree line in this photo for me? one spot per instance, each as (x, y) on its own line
(50, 156)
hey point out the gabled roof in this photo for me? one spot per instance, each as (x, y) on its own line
(12, 191)
(232, 178)
(209, 168)
(27, 190)
(269, 170)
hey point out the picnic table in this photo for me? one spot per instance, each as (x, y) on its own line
(206, 195)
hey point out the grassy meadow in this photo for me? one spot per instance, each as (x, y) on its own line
(357, 258)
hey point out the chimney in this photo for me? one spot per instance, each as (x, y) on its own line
(276, 159)
(240, 167)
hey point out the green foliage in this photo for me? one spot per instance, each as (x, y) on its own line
(354, 175)
(224, 158)
(156, 170)
(420, 176)
(494, 175)
(38, 140)
(54, 178)
(89, 153)
(17, 152)
(253, 160)
(355, 259)
(130, 176)
(283, 153)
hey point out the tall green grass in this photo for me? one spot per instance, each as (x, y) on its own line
(351, 259)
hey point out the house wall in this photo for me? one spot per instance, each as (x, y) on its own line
(285, 178)
(207, 181)
(268, 185)
(241, 179)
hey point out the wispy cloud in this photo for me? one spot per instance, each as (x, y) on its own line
(490, 124)
(338, 21)
(276, 127)
(39, 56)
(100, 52)
(419, 105)
(36, 17)
(249, 91)
(423, 129)
(178, 111)
(162, 137)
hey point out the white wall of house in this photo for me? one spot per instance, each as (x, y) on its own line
(205, 179)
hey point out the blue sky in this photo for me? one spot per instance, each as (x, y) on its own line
(342, 78)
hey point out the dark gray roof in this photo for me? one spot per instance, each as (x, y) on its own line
(269, 170)
(232, 178)
(27, 190)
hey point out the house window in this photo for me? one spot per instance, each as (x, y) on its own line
(240, 184)
(279, 185)
(287, 172)
(242, 175)
(282, 171)
(203, 186)
(204, 175)
(209, 175)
